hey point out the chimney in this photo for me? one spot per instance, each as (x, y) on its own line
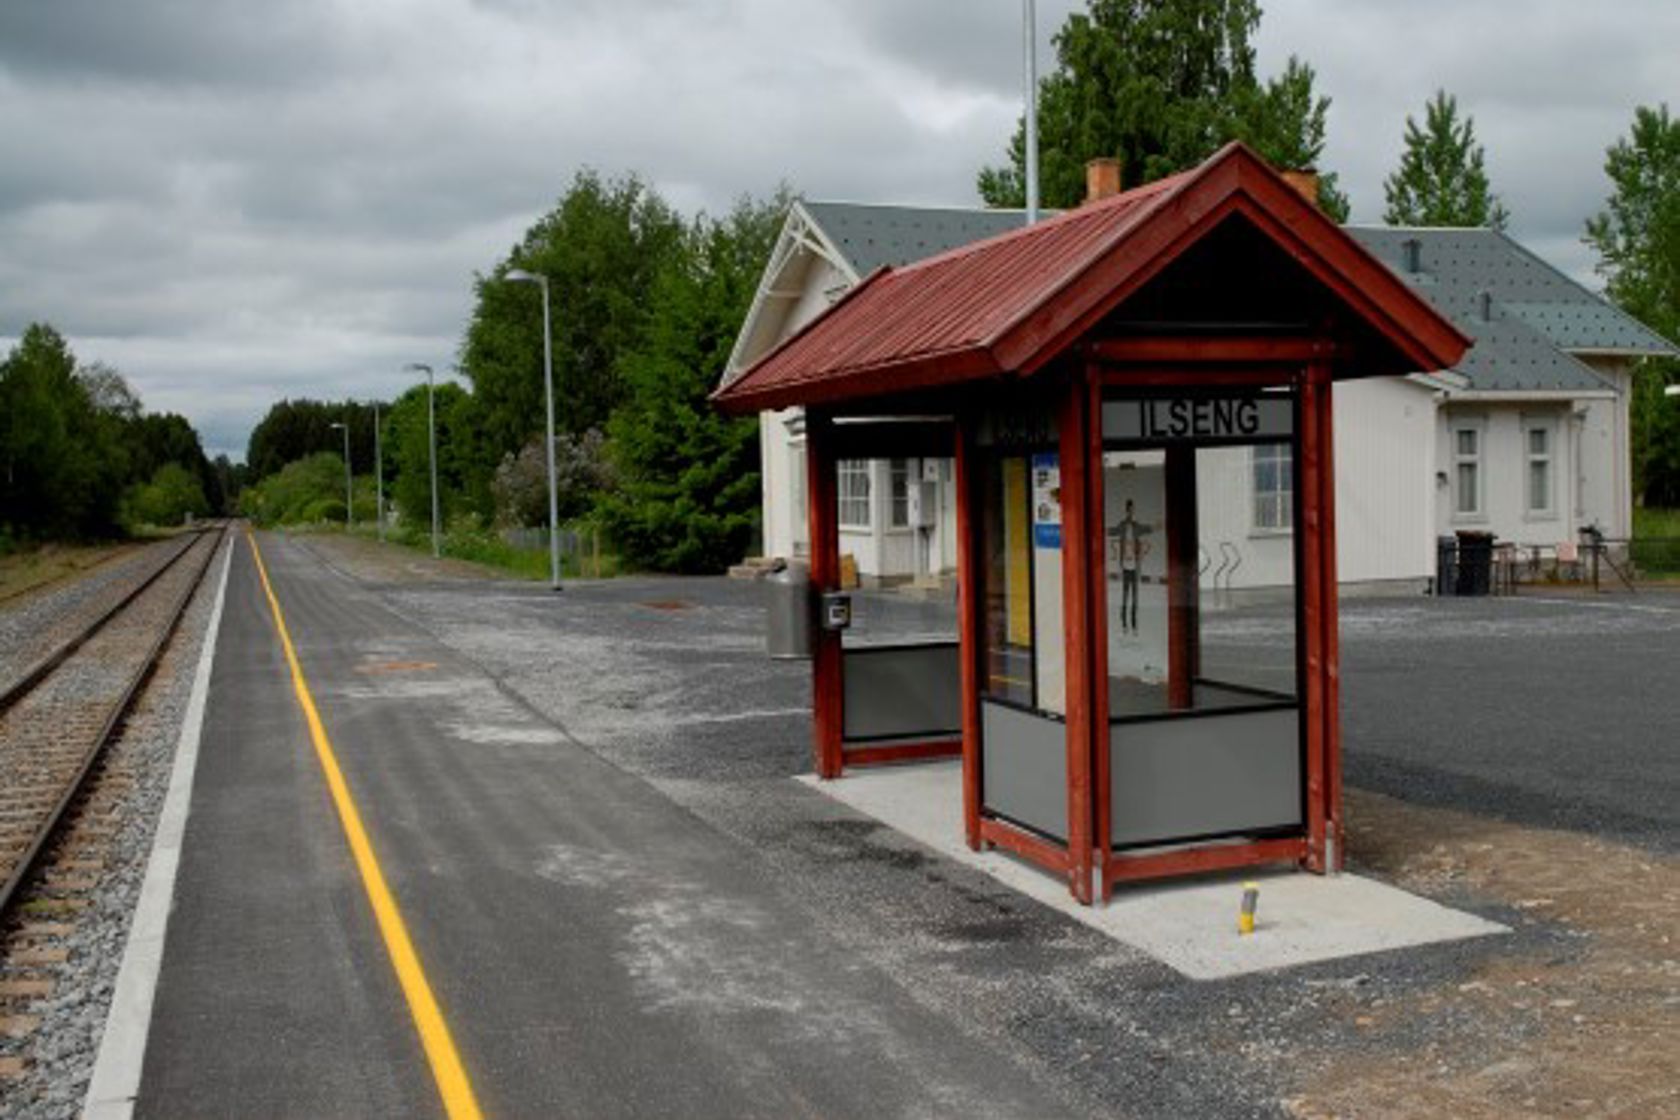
(1305, 182)
(1102, 179)
(1412, 252)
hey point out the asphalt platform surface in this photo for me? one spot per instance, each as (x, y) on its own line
(582, 803)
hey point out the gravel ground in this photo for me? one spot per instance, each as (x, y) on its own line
(63, 1048)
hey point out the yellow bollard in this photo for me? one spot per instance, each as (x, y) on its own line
(1250, 902)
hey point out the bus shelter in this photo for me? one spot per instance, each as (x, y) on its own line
(1120, 386)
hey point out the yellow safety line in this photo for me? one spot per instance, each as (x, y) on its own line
(458, 1099)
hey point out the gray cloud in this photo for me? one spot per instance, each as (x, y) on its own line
(235, 202)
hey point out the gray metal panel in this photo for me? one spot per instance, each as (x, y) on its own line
(1200, 775)
(902, 691)
(1023, 767)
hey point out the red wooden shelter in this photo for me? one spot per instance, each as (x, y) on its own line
(1109, 382)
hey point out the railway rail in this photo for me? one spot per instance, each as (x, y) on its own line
(58, 714)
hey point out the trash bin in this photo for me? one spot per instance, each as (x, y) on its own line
(1475, 562)
(1446, 565)
(788, 610)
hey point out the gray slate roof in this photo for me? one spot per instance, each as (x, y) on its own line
(871, 236)
(1538, 313)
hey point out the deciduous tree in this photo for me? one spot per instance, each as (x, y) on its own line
(1637, 236)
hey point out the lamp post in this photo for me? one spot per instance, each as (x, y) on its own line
(1030, 48)
(378, 477)
(345, 428)
(431, 445)
(541, 281)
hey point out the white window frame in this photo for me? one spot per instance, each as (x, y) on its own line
(1477, 461)
(853, 473)
(1547, 459)
(898, 493)
(1272, 512)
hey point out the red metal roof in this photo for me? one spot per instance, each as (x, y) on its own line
(1010, 303)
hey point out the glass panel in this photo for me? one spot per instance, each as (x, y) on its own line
(1467, 488)
(1201, 612)
(1467, 441)
(852, 478)
(1021, 560)
(1006, 561)
(900, 492)
(1537, 441)
(1539, 496)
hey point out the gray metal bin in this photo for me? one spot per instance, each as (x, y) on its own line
(789, 610)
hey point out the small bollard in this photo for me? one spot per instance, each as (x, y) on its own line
(1250, 903)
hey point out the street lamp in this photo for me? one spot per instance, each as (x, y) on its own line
(378, 476)
(541, 281)
(431, 444)
(345, 428)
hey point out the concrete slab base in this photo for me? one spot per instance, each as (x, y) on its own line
(1189, 925)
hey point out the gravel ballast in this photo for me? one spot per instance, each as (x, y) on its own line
(62, 1049)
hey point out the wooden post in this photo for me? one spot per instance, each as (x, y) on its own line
(1182, 577)
(822, 512)
(1309, 485)
(968, 627)
(1329, 619)
(1097, 554)
(1072, 458)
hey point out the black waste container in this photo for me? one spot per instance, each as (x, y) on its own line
(1475, 562)
(1446, 565)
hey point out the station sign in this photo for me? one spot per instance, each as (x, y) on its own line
(1199, 419)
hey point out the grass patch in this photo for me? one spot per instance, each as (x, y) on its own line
(25, 568)
(486, 547)
(1656, 541)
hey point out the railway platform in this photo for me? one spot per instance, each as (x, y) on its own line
(527, 930)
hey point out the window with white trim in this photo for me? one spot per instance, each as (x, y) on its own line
(852, 477)
(1274, 487)
(1467, 471)
(898, 476)
(1537, 439)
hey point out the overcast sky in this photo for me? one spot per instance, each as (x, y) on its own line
(234, 201)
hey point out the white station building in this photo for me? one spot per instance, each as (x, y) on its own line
(1528, 439)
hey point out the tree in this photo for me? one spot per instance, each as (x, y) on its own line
(1162, 84)
(464, 465)
(1441, 180)
(172, 493)
(62, 460)
(688, 497)
(292, 429)
(601, 249)
(582, 474)
(1637, 236)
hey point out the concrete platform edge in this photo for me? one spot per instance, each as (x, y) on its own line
(122, 1049)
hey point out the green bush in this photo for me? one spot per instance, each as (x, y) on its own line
(172, 494)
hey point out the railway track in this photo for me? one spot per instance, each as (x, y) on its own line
(57, 715)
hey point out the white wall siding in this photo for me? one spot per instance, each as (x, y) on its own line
(1385, 481)
(1503, 466)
